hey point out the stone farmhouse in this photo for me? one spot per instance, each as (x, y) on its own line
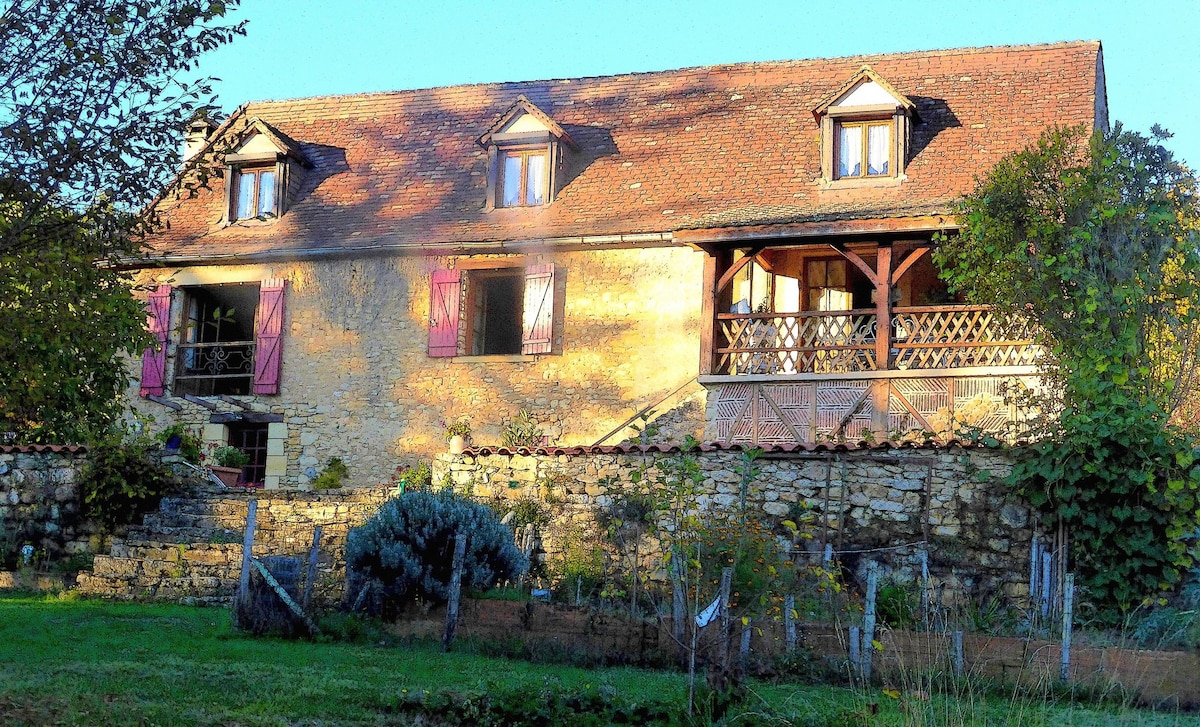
(740, 252)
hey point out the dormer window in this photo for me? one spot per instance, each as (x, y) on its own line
(262, 167)
(864, 133)
(525, 153)
(255, 193)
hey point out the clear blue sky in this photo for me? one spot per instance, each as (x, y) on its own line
(297, 48)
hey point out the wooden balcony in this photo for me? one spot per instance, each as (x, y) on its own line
(842, 342)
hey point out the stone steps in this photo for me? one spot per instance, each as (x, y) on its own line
(190, 549)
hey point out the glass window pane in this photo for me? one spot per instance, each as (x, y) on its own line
(266, 193)
(535, 179)
(850, 151)
(510, 192)
(245, 196)
(877, 148)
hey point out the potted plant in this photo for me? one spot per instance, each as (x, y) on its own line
(179, 439)
(228, 462)
(457, 435)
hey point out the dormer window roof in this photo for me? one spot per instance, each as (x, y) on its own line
(525, 153)
(259, 169)
(864, 132)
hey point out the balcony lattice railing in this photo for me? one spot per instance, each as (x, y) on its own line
(811, 342)
(947, 337)
(923, 337)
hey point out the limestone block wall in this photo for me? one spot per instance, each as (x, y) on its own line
(883, 505)
(357, 382)
(39, 502)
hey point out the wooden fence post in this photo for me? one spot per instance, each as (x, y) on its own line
(868, 635)
(789, 622)
(460, 552)
(311, 574)
(1064, 672)
(247, 551)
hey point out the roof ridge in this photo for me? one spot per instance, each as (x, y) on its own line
(685, 70)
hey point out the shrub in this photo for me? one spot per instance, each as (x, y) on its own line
(230, 456)
(522, 431)
(407, 548)
(332, 477)
(122, 480)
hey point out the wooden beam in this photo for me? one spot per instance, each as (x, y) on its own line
(202, 402)
(911, 409)
(708, 318)
(728, 275)
(909, 261)
(884, 226)
(857, 261)
(883, 306)
(175, 406)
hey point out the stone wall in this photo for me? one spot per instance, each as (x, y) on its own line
(357, 382)
(883, 505)
(39, 502)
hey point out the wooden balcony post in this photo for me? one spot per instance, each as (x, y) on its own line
(708, 318)
(881, 388)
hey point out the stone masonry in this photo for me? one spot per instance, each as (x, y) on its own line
(357, 382)
(882, 505)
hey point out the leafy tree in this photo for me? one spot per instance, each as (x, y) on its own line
(1093, 241)
(93, 97)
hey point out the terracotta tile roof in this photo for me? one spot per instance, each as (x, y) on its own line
(818, 448)
(41, 448)
(716, 146)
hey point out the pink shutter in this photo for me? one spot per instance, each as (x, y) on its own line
(444, 301)
(154, 359)
(537, 328)
(268, 339)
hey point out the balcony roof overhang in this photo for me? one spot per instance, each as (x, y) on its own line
(714, 238)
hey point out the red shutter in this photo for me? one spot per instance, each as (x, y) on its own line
(444, 300)
(154, 359)
(268, 339)
(537, 328)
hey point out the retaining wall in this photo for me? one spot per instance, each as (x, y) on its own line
(894, 507)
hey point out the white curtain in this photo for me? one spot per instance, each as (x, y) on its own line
(877, 149)
(850, 151)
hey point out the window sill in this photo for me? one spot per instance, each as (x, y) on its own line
(860, 182)
(496, 358)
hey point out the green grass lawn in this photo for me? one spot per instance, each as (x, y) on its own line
(81, 662)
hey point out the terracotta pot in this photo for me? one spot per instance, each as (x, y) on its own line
(229, 476)
(457, 444)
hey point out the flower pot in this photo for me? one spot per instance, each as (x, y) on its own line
(457, 444)
(228, 476)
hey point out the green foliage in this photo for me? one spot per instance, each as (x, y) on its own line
(122, 480)
(522, 431)
(460, 428)
(230, 456)
(96, 95)
(190, 445)
(896, 604)
(525, 511)
(1095, 241)
(419, 477)
(497, 706)
(408, 546)
(332, 477)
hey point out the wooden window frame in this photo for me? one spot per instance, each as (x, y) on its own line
(257, 171)
(524, 153)
(864, 126)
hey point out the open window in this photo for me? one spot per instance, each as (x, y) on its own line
(215, 340)
(525, 156)
(864, 132)
(508, 311)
